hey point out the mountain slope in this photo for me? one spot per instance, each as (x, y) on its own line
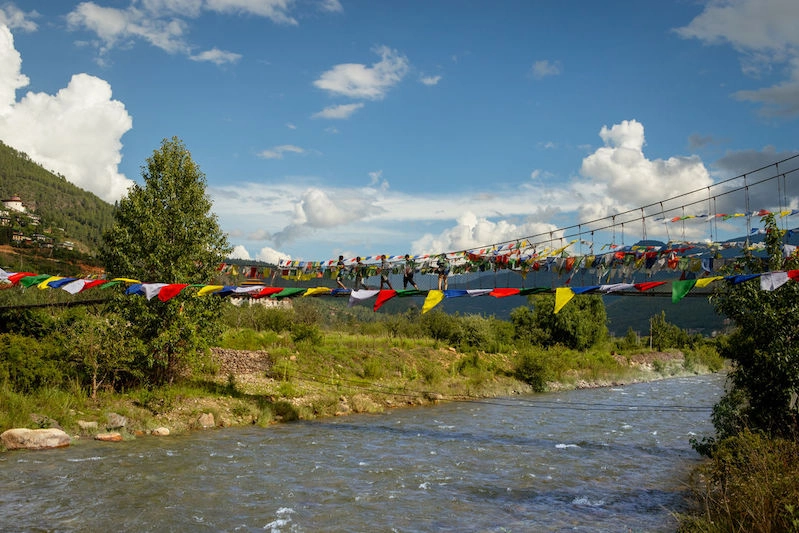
(60, 204)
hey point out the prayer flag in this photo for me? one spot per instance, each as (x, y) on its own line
(563, 295)
(170, 291)
(680, 288)
(770, 281)
(434, 298)
(383, 296)
(504, 292)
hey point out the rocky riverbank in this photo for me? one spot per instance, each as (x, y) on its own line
(246, 389)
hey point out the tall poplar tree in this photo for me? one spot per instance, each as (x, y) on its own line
(165, 232)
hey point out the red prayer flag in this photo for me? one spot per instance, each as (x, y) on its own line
(14, 278)
(266, 291)
(502, 293)
(168, 292)
(648, 285)
(383, 296)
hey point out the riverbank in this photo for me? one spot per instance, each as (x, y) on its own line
(261, 387)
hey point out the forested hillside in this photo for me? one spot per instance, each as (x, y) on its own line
(60, 204)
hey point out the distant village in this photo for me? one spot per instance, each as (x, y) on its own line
(20, 226)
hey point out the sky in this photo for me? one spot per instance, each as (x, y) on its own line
(336, 127)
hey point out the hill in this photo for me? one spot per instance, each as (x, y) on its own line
(67, 212)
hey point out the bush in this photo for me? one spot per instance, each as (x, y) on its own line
(751, 484)
(579, 325)
(666, 335)
(27, 364)
(531, 368)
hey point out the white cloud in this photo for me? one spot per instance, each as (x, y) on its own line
(166, 24)
(278, 151)
(338, 111)
(430, 80)
(240, 252)
(76, 132)
(114, 26)
(764, 32)
(472, 231)
(16, 19)
(544, 68)
(275, 10)
(216, 56)
(271, 256)
(359, 81)
(332, 6)
(626, 178)
(11, 77)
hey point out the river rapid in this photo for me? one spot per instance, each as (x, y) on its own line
(610, 459)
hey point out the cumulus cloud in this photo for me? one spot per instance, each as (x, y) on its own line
(472, 231)
(76, 132)
(278, 151)
(271, 256)
(764, 33)
(320, 209)
(619, 176)
(430, 80)
(16, 19)
(356, 80)
(240, 252)
(338, 111)
(545, 68)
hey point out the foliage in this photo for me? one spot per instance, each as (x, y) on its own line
(27, 364)
(665, 335)
(532, 368)
(165, 231)
(579, 325)
(764, 347)
(750, 484)
(102, 351)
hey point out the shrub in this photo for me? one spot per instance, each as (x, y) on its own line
(531, 368)
(305, 333)
(579, 325)
(751, 484)
(27, 364)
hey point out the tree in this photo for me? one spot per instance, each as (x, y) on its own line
(164, 231)
(764, 347)
(579, 325)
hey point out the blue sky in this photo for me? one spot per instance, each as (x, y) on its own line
(329, 127)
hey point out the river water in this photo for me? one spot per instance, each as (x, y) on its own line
(611, 459)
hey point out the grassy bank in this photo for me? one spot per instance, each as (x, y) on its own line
(750, 484)
(264, 377)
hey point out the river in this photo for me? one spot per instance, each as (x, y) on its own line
(610, 459)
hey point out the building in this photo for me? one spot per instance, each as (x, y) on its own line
(14, 204)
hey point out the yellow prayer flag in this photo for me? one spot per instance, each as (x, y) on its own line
(316, 290)
(209, 289)
(434, 298)
(43, 285)
(704, 282)
(126, 280)
(563, 295)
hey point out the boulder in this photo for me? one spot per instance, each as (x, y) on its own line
(206, 420)
(112, 436)
(160, 432)
(115, 421)
(85, 425)
(34, 439)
